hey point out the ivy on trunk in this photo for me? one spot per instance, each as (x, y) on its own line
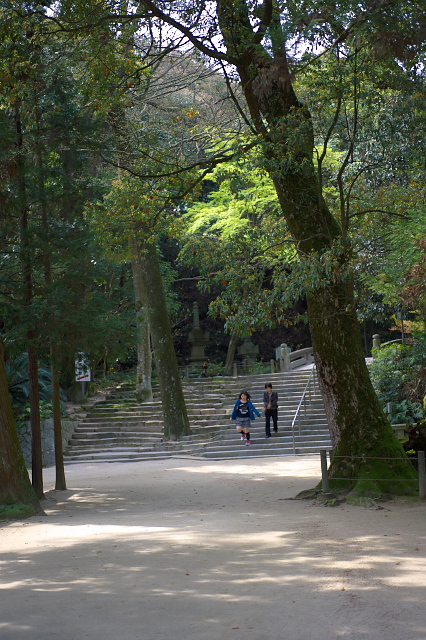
(283, 124)
(359, 428)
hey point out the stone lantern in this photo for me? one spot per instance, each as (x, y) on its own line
(249, 351)
(197, 337)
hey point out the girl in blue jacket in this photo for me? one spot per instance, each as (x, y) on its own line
(243, 412)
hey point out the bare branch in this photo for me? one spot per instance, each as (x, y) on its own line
(210, 163)
(236, 102)
(198, 44)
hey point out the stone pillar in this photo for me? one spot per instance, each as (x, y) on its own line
(284, 358)
(376, 341)
(197, 338)
(195, 316)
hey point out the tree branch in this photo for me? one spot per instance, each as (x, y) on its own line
(210, 163)
(198, 44)
(265, 22)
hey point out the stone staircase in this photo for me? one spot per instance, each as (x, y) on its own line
(119, 429)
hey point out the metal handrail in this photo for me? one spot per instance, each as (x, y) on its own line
(303, 401)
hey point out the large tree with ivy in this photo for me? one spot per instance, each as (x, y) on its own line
(252, 42)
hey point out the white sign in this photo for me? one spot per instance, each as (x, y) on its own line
(82, 368)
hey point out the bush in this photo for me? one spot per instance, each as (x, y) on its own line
(398, 373)
(19, 387)
(23, 414)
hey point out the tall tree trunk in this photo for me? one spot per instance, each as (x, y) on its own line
(37, 462)
(359, 429)
(15, 485)
(231, 353)
(36, 444)
(176, 423)
(60, 483)
(358, 425)
(144, 364)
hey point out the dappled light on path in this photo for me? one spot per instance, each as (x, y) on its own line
(310, 469)
(195, 551)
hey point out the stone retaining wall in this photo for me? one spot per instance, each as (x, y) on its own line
(47, 440)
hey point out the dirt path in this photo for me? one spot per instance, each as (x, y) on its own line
(194, 550)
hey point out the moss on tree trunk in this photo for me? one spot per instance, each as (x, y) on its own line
(359, 428)
(176, 423)
(360, 431)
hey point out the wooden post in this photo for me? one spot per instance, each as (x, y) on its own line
(324, 472)
(422, 475)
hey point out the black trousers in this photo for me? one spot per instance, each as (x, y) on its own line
(271, 413)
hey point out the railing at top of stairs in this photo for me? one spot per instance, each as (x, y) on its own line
(287, 361)
(306, 398)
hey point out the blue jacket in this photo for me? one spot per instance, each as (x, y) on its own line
(252, 410)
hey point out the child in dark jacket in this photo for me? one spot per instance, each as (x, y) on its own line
(243, 413)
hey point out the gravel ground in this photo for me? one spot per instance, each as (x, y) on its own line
(187, 549)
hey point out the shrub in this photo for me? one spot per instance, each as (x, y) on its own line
(398, 373)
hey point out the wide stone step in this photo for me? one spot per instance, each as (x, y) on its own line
(124, 454)
(269, 443)
(117, 456)
(79, 446)
(96, 435)
(148, 407)
(121, 417)
(94, 416)
(137, 423)
(310, 439)
(123, 402)
(288, 388)
(107, 443)
(121, 429)
(283, 430)
(118, 428)
(259, 448)
(284, 417)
